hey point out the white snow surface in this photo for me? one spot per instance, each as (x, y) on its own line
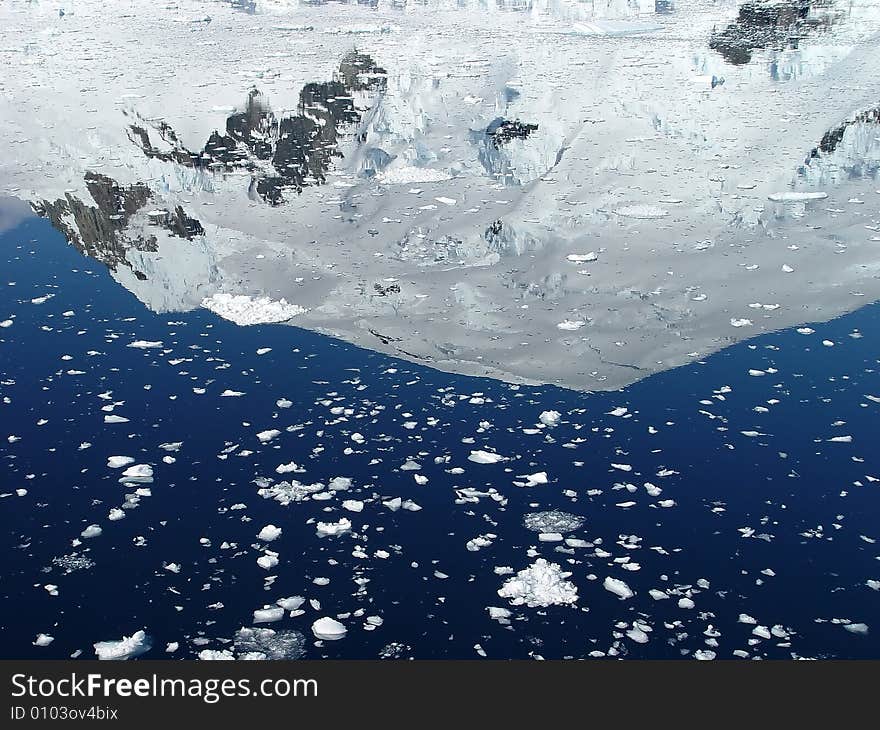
(246, 310)
(125, 648)
(648, 165)
(541, 584)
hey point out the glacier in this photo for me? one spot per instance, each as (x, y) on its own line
(424, 179)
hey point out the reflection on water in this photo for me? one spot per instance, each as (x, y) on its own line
(285, 153)
(770, 25)
(491, 141)
(850, 151)
(99, 231)
(246, 6)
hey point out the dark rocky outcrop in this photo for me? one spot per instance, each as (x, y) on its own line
(502, 131)
(767, 24)
(98, 231)
(300, 147)
(101, 231)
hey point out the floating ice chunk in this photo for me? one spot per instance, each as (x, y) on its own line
(6, 323)
(338, 484)
(550, 537)
(216, 655)
(125, 648)
(91, 531)
(704, 655)
(268, 614)
(619, 411)
(245, 310)
(541, 584)
(485, 457)
(552, 521)
(740, 322)
(685, 602)
(393, 504)
(856, 628)
(841, 439)
(292, 603)
(268, 561)
(581, 258)
(658, 595)
(266, 436)
(353, 505)
(286, 492)
(787, 269)
(117, 462)
(289, 468)
(145, 344)
(283, 403)
(268, 644)
(873, 584)
(550, 418)
(407, 175)
(613, 27)
(570, 325)
(497, 613)
(795, 197)
(618, 588)
(269, 533)
(479, 542)
(115, 514)
(138, 474)
(328, 629)
(532, 480)
(331, 529)
(645, 212)
(113, 418)
(446, 201)
(43, 640)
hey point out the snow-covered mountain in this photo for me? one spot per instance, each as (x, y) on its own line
(566, 192)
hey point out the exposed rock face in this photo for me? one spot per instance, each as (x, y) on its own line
(503, 130)
(179, 223)
(767, 24)
(98, 231)
(491, 144)
(282, 153)
(104, 231)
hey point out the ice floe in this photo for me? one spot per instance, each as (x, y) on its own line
(541, 584)
(127, 647)
(246, 310)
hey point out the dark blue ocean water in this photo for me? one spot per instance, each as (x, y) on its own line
(779, 526)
